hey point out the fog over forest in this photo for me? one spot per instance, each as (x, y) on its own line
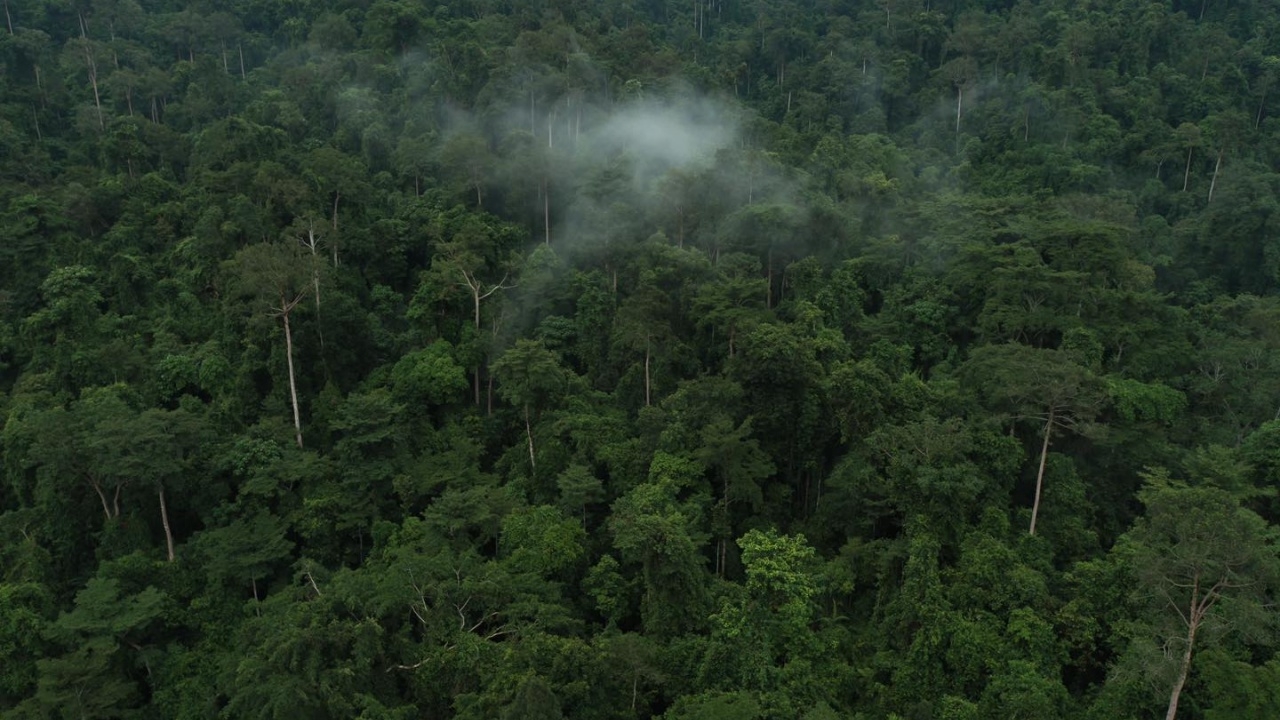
(781, 360)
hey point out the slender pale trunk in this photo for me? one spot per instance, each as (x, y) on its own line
(475, 295)
(93, 74)
(546, 210)
(1217, 165)
(1186, 175)
(8, 20)
(164, 520)
(1192, 627)
(1044, 455)
(768, 280)
(240, 49)
(646, 371)
(959, 101)
(293, 386)
(106, 509)
(313, 244)
(528, 431)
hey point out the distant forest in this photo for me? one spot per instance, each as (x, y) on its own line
(626, 359)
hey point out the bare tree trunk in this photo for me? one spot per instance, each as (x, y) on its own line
(475, 295)
(106, 509)
(546, 210)
(1217, 165)
(1192, 627)
(528, 430)
(8, 20)
(1186, 176)
(1044, 455)
(768, 280)
(93, 73)
(959, 101)
(164, 519)
(293, 386)
(646, 371)
(240, 49)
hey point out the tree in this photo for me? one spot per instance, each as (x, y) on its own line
(274, 278)
(469, 259)
(1047, 387)
(640, 323)
(1204, 568)
(529, 376)
(734, 299)
(465, 158)
(768, 627)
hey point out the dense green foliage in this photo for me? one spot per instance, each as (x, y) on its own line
(716, 360)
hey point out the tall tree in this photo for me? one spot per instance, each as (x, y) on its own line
(1205, 568)
(1046, 387)
(274, 278)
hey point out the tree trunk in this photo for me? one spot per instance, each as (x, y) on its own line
(93, 74)
(1044, 455)
(768, 280)
(293, 386)
(8, 20)
(546, 210)
(646, 371)
(240, 49)
(1186, 176)
(1192, 627)
(1217, 165)
(164, 520)
(475, 294)
(106, 509)
(528, 430)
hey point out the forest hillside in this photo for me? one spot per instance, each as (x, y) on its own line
(715, 360)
